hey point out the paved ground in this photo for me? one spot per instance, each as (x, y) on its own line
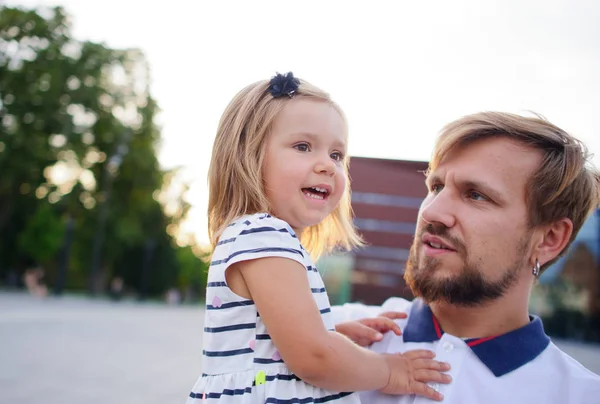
(74, 350)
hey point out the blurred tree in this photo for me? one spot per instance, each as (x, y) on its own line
(78, 150)
(192, 273)
(42, 235)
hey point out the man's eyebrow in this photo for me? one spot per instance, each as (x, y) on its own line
(431, 178)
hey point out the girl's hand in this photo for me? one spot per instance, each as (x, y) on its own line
(366, 331)
(410, 372)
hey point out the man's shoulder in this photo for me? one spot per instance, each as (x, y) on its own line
(572, 372)
(355, 311)
(396, 304)
(570, 363)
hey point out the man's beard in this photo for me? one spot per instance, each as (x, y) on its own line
(468, 288)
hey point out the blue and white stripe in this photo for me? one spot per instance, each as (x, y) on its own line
(236, 342)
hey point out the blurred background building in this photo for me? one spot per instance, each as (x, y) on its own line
(386, 196)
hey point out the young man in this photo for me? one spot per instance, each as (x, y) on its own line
(507, 196)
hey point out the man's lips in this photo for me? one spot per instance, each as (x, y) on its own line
(436, 242)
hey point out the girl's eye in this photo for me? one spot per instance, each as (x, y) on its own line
(303, 147)
(337, 156)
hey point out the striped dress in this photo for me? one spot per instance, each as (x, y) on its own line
(240, 362)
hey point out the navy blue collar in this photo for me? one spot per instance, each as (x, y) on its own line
(501, 354)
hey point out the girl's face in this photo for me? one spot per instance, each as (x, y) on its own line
(303, 167)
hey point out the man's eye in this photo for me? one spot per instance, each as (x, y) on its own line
(476, 196)
(436, 188)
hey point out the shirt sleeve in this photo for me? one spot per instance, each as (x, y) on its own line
(262, 236)
(356, 311)
(353, 311)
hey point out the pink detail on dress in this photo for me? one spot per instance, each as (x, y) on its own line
(216, 302)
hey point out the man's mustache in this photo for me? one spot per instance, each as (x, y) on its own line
(441, 231)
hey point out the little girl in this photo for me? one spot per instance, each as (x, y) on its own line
(278, 199)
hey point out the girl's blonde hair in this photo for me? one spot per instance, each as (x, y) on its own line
(235, 178)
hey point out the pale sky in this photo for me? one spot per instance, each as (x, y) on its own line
(400, 70)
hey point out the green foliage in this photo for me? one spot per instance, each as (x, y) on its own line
(42, 236)
(192, 270)
(78, 139)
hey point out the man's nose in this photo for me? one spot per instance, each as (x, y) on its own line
(439, 208)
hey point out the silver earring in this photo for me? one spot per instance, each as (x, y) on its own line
(536, 268)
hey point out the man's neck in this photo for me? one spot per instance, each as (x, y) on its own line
(495, 318)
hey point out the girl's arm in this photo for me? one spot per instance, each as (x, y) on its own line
(281, 292)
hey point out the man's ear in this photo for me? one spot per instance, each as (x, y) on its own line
(554, 239)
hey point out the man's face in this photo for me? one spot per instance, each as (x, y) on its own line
(472, 242)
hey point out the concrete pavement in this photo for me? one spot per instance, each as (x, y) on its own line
(73, 350)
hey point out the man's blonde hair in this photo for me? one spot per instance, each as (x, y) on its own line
(564, 186)
(235, 178)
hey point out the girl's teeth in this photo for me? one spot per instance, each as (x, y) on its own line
(314, 196)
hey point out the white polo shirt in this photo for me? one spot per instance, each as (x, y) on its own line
(522, 366)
